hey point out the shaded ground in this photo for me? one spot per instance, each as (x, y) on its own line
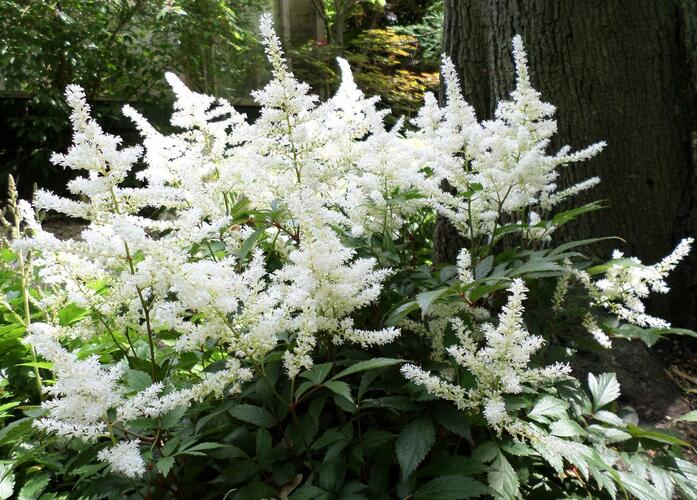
(679, 357)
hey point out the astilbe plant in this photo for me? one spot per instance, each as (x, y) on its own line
(237, 319)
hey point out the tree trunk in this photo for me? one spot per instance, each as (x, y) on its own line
(619, 71)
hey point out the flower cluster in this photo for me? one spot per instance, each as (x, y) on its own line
(500, 366)
(497, 168)
(621, 289)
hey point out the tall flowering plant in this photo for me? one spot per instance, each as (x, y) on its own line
(261, 313)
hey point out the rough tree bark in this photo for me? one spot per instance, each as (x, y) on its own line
(619, 71)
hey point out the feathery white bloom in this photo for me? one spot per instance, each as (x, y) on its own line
(500, 366)
(464, 267)
(497, 167)
(592, 327)
(124, 458)
(83, 392)
(495, 411)
(627, 281)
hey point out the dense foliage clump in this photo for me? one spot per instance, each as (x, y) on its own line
(262, 315)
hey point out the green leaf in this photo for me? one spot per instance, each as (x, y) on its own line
(685, 477)
(451, 488)
(15, 430)
(661, 481)
(484, 267)
(164, 465)
(309, 492)
(9, 406)
(318, 373)
(609, 418)
(397, 402)
(38, 364)
(604, 389)
(7, 481)
(660, 437)
(566, 427)
(548, 406)
(574, 244)
(454, 421)
(502, 478)
(340, 388)
(375, 438)
(485, 452)
(401, 312)
(369, 364)
(689, 417)
(264, 443)
(638, 487)
(137, 380)
(253, 415)
(71, 314)
(414, 443)
(33, 488)
(249, 244)
(196, 449)
(426, 299)
(608, 434)
(569, 215)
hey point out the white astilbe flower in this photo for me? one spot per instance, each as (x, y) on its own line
(323, 286)
(83, 392)
(149, 402)
(593, 328)
(124, 458)
(495, 411)
(504, 159)
(627, 281)
(500, 366)
(464, 267)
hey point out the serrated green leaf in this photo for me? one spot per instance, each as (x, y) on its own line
(608, 434)
(7, 481)
(604, 389)
(609, 418)
(164, 465)
(317, 373)
(452, 487)
(413, 444)
(639, 487)
(503, 481)
(34, 486)
(401, 312)
(137, 380)
(548, 407)
(566, 427)
(454, 421)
